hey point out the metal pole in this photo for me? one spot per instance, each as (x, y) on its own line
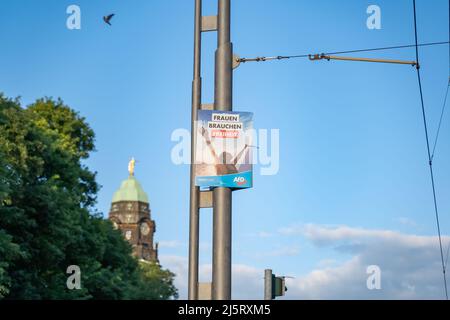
(221, 275)
(268, 284)
(194, 221)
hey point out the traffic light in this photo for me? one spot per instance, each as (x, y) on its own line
(278, 286)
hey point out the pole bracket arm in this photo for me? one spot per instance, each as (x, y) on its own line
(209, 23)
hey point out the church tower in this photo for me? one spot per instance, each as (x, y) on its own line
(131, 214)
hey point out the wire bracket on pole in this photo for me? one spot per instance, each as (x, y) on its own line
(206, 199)
(236, 61)
(207, 106)
(209, 23)
(315, 57)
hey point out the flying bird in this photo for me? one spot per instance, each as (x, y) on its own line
(108, 18)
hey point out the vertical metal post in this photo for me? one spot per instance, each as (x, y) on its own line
(268, 284)
(194, 191)
(221, 274)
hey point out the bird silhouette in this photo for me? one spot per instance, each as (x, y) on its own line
(108, 18)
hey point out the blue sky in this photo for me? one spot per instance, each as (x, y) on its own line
(352, 146)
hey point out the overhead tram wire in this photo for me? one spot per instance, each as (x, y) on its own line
(429, 150)
(444, 105)
(448, 248)
(446, 94)
(263, 59)
(442, 115)
(446, 259)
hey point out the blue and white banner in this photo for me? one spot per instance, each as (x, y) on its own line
(223, 155)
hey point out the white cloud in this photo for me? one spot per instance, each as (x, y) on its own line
(327, 263)
(406, 222)
(410, 266)
(177, 265)
(287, 251)
(171, 244)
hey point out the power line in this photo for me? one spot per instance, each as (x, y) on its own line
(440, 120)
(448, 248)
(393, 47)
(442, 113)
(448, 89)
(262, 59)
(446, 259)
(429, 150)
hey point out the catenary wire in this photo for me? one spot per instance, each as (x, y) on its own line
(429, 149)
(261, 59)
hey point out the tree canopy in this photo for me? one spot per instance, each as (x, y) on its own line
(47, 217)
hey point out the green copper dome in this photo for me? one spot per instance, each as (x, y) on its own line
(130, 190)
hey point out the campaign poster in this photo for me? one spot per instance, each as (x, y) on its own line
(224, 148)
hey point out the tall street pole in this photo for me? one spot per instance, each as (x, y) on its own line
(222, 203)
(194, 191)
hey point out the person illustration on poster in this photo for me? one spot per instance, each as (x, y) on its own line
(224, 163)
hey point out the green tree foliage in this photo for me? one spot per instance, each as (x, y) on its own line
(154, 283)
(47, 219)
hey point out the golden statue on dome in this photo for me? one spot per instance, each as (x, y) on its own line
(131, 166)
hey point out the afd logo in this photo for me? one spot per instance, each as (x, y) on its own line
(240, 181)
